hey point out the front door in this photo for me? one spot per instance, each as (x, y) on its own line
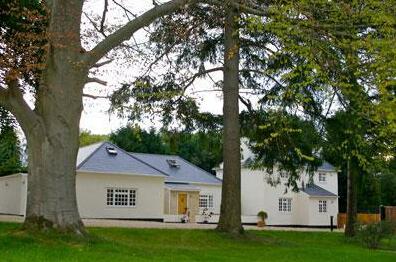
(182, 203)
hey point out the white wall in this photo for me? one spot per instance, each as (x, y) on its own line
(331, 183)
(322, 219)
(13, 190)
(214, 190)
(92, 191)
(258, 195)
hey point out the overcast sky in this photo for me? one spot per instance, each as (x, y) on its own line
(95, 116)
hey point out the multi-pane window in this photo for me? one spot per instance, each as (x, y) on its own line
(206, 201)
(121, 197)
(285, 204)
(322, 177)
(322, 206)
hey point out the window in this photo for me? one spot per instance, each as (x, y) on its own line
(206, 201)
(173, 163)
(322, 206)
(322, 177)
(121, 197)
(285, 204)
(111, 150)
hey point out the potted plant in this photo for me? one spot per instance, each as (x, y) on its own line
(262, 215)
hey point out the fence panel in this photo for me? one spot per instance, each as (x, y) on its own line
(362, 218)
(390, 213)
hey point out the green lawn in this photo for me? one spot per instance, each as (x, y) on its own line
(116, 244)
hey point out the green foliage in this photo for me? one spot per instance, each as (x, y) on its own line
(262, 215)
(10, 151)
(282, 140)
(135, 139)
(371, 235)
(202, 148)
(388, 184)
(87, 138)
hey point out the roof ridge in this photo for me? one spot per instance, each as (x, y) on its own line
(206, 172)
(91, 154)
(144, 162)
(317, 186)
(152, 154)
(134, 157)
(97, 143)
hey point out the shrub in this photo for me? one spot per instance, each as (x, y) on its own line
(262, 215)
(371, 235)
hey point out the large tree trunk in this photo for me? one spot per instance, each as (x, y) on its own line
(53, 139)
(53, 147)
(351, 217)
(230, 213)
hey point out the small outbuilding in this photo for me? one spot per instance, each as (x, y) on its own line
(113, 183)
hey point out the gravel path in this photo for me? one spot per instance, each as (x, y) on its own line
(151, 224)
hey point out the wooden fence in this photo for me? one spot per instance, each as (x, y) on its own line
(362, 218)
(390, 213)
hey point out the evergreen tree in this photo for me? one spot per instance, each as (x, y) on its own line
(10, 151)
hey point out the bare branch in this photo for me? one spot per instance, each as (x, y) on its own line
(96, 80)
(95, 96)
(126, 32)
(247, 103)
(97, 65)
(106, 4)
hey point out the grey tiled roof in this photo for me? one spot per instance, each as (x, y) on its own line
(326, 166)
(315, 190)
(185, 172)
(95, 158)
(86, 151)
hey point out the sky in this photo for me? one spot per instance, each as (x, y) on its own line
(95, 116)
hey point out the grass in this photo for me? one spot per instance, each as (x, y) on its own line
(118, 244)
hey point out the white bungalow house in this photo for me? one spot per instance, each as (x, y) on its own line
(313, 205)
(115, 184)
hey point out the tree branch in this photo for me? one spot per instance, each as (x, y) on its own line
(12, 100)
(106, 4)
(126, 32)
(97, 65)
(96, 80)
(95, 96)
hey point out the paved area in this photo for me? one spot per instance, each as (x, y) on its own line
(151, 224)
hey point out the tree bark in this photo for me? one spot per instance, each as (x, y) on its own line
(230, 213)
(351, 219)
(53, 140)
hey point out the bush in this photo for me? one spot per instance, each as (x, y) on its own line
(262, 215)
(371, 235)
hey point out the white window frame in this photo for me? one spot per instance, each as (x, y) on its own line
(206, 201)
(285, 205)
(121, 197)
(322, 177)
(322, 206)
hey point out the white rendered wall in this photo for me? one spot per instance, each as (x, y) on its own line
(215, 191)
(13, 194)
(92, 191)
(258, 195)
(322, 219)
